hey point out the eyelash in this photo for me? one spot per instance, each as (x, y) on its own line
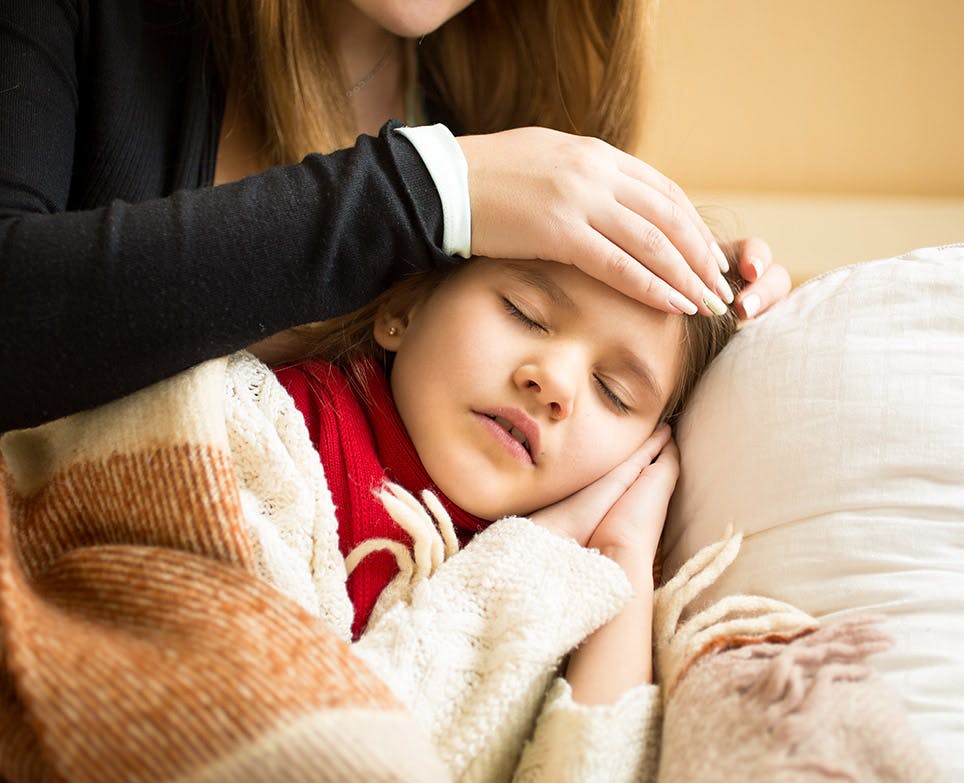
(514, 311)
(610, 395)
(529, 323)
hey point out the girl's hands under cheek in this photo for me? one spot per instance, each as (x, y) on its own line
(629, 533)
(622, 513)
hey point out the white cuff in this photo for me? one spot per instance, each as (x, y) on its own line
(446, 164)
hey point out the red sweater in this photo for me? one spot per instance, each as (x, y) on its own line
(362, 442)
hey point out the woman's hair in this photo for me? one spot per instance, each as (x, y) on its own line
(573, 65)
(342, 340)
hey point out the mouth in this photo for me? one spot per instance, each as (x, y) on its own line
(514, 431)
(517, 431)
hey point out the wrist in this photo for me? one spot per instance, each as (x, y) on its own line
(636, 562)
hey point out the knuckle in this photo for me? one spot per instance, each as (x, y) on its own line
(675, 193)
(619, 263)
(652, 240)
(676, 218)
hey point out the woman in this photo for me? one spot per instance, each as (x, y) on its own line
(163, 201)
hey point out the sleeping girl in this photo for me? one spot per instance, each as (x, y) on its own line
(527, 405)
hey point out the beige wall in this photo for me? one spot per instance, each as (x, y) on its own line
(763, 106)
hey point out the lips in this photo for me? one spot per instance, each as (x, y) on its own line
(514, 431)
(519, 426)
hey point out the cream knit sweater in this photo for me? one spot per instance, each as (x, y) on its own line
(471, 643)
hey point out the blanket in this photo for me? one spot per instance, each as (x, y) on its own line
(139, 645)
(140, 641)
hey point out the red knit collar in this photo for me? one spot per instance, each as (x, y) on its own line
(362, 442)
(395, 448)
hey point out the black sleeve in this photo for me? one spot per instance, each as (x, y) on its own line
(98, 303)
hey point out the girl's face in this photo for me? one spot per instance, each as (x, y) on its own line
(522, 382)
(410, 18)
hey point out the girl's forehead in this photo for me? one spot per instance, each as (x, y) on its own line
(569, 287)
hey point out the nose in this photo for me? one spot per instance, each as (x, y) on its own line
(552, 383)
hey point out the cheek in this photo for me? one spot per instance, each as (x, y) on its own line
(597, 445)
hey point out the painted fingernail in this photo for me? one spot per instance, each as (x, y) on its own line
(751, 305)
(720, 257)
(724, 290)
(714, 302)
(757, 265)
(681, 303)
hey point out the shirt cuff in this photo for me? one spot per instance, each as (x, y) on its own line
(447, 166)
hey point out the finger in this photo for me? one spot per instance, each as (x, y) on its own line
(754, 256)
(599, 257)
(660, 236)
(642, 171)
(676, 226)
(772, 286)
(649, 247)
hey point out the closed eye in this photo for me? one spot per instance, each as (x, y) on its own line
(516, 313)
(611, 396)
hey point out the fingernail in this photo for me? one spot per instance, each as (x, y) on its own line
(757, 265)
(681, 303)
(724, 290)
(751, 305)
(714, 302)
(720, 257)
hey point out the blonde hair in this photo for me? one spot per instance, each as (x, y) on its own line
(343, 340)
(573, 65)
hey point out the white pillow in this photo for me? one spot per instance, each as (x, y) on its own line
(831, 432)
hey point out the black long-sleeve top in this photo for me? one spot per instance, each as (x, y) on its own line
(119, 263)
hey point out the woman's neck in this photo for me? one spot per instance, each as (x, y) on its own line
(374, 66)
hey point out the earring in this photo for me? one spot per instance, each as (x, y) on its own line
(392, 331)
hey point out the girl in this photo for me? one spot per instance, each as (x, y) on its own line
(171, 189)
(504, 389)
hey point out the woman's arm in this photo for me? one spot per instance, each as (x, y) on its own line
(99, 297)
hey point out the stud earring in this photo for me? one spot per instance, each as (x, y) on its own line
(392, 331)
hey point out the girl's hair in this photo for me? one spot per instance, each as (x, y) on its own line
(573, 65)
(342, 340)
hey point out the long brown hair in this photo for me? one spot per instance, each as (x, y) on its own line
(573, 65)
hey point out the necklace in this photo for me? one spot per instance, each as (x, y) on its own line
(362, 83)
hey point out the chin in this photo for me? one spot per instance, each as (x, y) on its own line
(487, 508)
(410, 19)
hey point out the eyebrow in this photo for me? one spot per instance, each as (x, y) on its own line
(543, 282)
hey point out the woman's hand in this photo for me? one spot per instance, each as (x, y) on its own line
(540, 193)
(622, 513)
(767, 283)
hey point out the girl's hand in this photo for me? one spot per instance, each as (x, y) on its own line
(767, 283)
(630, 531)
(622, 513)
(618, 656)
(540, 193)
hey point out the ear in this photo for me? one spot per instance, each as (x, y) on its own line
(389, 328)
